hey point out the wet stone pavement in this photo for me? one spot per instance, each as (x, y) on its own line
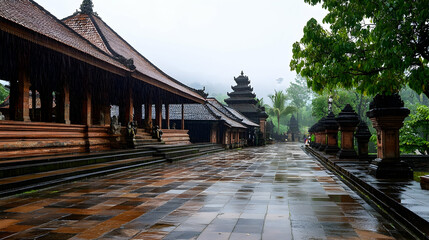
(273, 192)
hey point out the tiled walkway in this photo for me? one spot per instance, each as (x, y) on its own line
(274, 192)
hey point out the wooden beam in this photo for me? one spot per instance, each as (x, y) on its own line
(159, 84)
(183, 116)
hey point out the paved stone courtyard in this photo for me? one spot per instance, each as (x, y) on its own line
(273, 192)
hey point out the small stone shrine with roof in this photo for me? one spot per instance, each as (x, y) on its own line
(242, 99)
(293, 132)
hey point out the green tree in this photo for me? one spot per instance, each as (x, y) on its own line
(299, 94)
(279, 108)
(260, 103)
(341, 98)
(415, 133)
(86, 7)
(3, 93)
(220, 97)
(374, 46)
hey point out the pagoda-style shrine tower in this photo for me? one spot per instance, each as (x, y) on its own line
(293, 132)
(243, 100)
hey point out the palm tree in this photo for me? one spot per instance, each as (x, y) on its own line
(279, 108)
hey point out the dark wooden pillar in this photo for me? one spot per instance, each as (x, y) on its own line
(63, 104)
(138, 112)
(22, 112)
(105, 107)
(158, 113)
(213, 133)
(128, 111)
(148, 113)
(183, 117)
(167, 115)
(33, 103)
(86, 104)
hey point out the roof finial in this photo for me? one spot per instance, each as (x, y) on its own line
(86, 7)
(242, 74)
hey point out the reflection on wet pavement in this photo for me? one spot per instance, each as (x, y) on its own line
(273, 192)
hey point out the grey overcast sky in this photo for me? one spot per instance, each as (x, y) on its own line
(208, 42)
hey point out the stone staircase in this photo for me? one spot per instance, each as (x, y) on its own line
(19, 175)
(175, 136)
(143, 139)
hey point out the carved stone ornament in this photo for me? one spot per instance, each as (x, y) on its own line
(115, 126)
(131, 129)
(157, 133)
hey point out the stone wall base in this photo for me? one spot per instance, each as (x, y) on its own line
(383, 168)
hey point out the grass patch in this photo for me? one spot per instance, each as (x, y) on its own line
(29, 192)
(417, 175)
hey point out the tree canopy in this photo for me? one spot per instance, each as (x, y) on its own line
(279, 108)
(415, 133)
(3, 93)
(86, 7)
(374, 46)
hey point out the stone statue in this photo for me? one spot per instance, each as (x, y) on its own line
(132, 129)
(2, 116)
(115, 126)
(173, 126)
(157, 133)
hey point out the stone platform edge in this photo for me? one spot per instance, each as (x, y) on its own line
(405, 219)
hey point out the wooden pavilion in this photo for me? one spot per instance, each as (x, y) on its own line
(78, 68)
(215, 123)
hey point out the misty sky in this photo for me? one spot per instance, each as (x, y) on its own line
(208, 42)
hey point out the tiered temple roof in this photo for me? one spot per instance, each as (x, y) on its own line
(242, 99)
(242, 93)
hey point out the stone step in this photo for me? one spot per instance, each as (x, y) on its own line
(201, 151)
(30, 166)
(17, 184)
(20, 175)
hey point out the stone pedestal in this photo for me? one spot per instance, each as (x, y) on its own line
(347, 120)
(331, 131)
(315, 129)
(387, 114)
(362, 135)
(424, 182)
(322, 135)
(311, 133)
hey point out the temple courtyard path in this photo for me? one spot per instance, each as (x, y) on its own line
(274, 192)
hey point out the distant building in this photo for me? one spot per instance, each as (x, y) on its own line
(243, 100)
(293, 133)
